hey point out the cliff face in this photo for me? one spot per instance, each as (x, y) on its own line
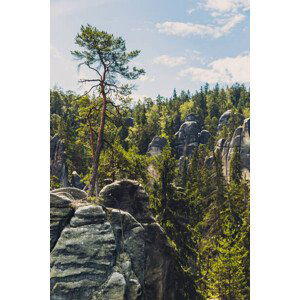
(110, 251)
(58, 166)
(156, 146)
(241, 140)
(187, 137)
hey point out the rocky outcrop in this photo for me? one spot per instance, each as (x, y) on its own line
(204, 137)
(156, 146)
(76, 181)
(61, 210)
(187, 136)
(226, 118)
(241, 140)
(58, 166)
(115, 250)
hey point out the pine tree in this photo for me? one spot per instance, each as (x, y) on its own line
(226, 276)
(172, 208)
(107, 57)
(235, 168)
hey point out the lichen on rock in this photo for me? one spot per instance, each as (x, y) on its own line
(111, 251)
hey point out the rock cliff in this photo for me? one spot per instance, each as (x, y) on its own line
(112, 251)
(187, 136)
(156, 146)
(228, 117)
(58, 166)
(241, 140)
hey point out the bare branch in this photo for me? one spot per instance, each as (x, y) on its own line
(94, 70)
(89, 80)
(94, 86)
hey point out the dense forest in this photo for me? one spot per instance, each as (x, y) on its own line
(204, 213)
(205, 216)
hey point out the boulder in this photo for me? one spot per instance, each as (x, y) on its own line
(127, 195)
(71, 192)
(156, 146)
(112, 251)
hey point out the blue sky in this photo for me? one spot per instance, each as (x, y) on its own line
(183, 43)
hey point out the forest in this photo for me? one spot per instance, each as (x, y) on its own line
(204, 212)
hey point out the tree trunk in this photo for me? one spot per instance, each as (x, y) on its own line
(92, 139)
(99, 145)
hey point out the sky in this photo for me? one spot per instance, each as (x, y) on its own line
(183, 43)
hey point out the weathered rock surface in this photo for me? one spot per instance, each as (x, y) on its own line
(58, 166)
(111, 251)
(241, 140)
(225, 119)
(76, 181)
(156, 146)
(204, 137)
(61, 210)
(71, 193)
(187, 136)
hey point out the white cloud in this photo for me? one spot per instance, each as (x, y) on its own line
(225, 5)
(171, 61)
(64, 71)
(185, 29)
(225, 70)
(147, 78)
(54, 53)
(196, 56)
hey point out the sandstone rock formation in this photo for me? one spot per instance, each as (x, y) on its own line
(113, 251)
(187, 136)
(76, 181)
(241, 140)
(58, 166)
(61, 210)
(204, 137)
(225, 119)
(156, 146)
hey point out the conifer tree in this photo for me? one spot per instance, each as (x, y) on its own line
(107, 57)
(235, 167)
(226, 276)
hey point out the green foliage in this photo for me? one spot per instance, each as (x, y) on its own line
(186, 108)
(106, 55)
(170, 203)
(54, 183)
(226, 275)
(235, 168)
(116, 163)
(65, 122)
(206, 218)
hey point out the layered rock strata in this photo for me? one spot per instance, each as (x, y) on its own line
(115, 250)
